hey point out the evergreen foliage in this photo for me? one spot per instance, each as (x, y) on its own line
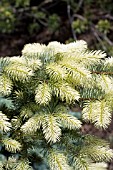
(37, 90)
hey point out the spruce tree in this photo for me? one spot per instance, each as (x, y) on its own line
(37, 89)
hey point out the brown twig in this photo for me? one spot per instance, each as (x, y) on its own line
(79, 5)
(98, 34)
(95, 33)
(79, 17)
(83, 99)
(103, 72)
(108, 16)
(71, 21)
(107, 39)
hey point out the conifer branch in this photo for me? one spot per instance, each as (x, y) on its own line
(11, 145)
(32, 124)
(4, 124)
(81, 163)
(68, 121)
(43, 94)
(23, 165)
(37, 90)
(57, 161)
(98, 113)
(5, 85)
(51, 129)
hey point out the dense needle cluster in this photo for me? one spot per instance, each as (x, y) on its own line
(37, 89)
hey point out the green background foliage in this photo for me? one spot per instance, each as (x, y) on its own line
(64, 20)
